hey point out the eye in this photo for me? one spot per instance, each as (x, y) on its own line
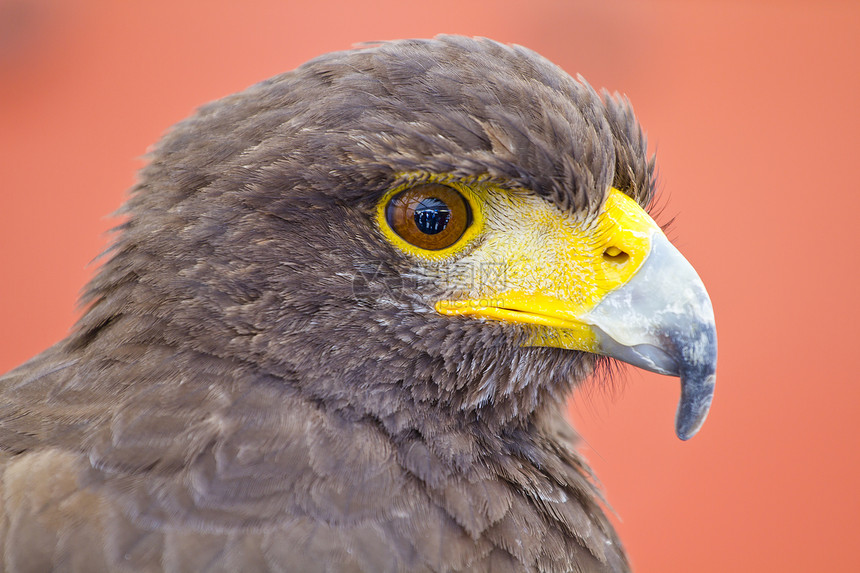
(429, 216)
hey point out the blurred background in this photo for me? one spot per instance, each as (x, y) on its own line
(752, 108)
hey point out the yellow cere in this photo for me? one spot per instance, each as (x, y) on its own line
(530, 263)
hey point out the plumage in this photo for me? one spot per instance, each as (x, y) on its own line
(260, 381)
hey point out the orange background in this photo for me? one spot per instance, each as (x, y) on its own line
(753, 109)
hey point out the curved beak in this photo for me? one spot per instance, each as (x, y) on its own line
(662, 321)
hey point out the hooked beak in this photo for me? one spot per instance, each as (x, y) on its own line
(662, 321)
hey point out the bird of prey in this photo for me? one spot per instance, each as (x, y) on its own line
(338, 326)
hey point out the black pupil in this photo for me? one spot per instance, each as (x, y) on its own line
(432, 215)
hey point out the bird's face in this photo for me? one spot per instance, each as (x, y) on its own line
(452, 221)
(560, 279)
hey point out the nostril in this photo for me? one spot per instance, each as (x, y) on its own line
(615, 255)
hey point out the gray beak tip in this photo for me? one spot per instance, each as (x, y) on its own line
(696, 397)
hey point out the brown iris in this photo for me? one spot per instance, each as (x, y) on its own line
(429, 216)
